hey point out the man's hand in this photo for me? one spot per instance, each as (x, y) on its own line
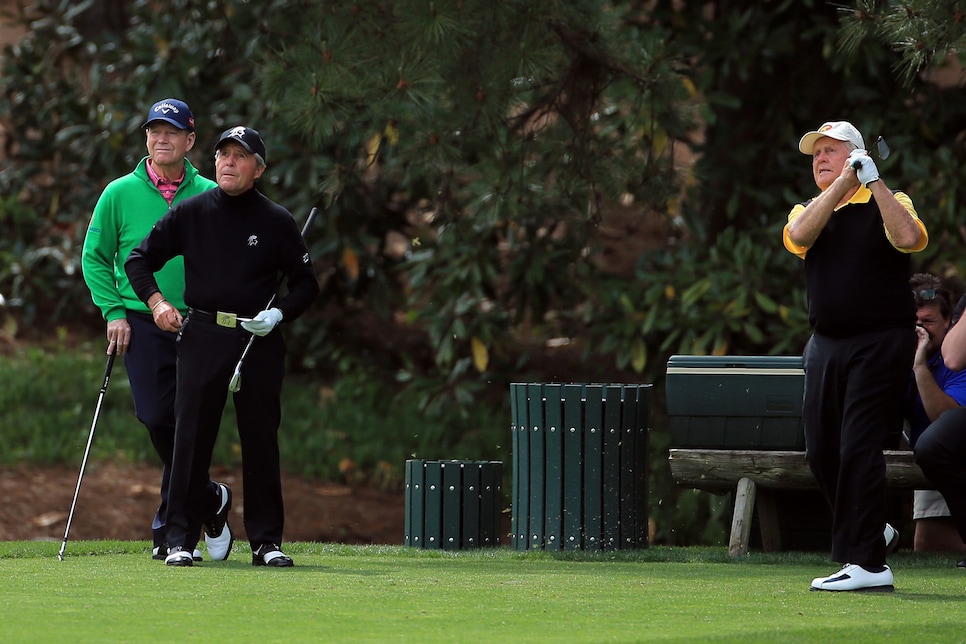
(166, 317)
(864, 166)
(118, 336)
(264, 322)
(922, 341)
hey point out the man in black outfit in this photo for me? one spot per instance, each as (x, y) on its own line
(235, 242)
(855, 238)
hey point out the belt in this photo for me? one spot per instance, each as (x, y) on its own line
(221, 318)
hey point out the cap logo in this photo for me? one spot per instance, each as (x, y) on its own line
(825, 128)
(164, 108)
(237, 132)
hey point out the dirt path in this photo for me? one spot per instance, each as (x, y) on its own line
(117, 501)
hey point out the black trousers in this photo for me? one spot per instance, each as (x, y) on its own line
(854, 394)
(941, 453)
(207, 355)
(151, 369)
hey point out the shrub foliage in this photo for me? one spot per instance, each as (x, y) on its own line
(478, 165)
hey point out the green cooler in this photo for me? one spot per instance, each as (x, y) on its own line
(736, 402)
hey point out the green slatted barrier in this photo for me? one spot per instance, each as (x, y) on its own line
(453, 505)
(579, 466)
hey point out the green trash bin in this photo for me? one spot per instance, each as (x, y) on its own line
(453, 505)
(579, 466)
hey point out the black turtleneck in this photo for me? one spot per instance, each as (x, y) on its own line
(234, 248)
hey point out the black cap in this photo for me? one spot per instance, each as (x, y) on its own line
(246, 136)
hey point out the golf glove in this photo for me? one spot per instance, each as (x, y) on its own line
(264, 322)
(864, 166)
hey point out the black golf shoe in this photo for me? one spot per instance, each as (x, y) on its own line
(270, 554)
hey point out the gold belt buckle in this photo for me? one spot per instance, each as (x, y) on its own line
(229, 320)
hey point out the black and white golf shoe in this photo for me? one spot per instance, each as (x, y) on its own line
(178, 556)
(855, 578)
(218, 536)
(891, 536)
(160, 552)
(270, 554)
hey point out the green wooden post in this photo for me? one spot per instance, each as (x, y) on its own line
(573, 475)
(433, 517)
(518, 420)
(535, 434)
(414, 505)
(491, 487)
(634, 468)
(553, 471)
(521, 491)
(593, 464)
(611, 473)
(472, 519)
(629, 477)
(452, 504)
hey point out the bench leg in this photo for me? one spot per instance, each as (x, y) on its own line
(741, 521)
(771, 537)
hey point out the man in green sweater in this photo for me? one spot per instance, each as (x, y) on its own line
(124, 214)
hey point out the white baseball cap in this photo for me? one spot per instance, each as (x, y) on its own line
(841, 130)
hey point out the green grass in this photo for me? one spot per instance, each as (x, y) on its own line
(113, 591)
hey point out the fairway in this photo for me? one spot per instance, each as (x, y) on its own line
(113, 591)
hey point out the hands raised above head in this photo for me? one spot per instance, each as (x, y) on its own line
(864, 167)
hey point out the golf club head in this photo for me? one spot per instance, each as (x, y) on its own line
(235, 383)
(883, 148)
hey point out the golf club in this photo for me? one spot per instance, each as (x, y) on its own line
(235, 383)
(881, 147)
(87, 451)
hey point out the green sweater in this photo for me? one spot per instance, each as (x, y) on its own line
(124, 215)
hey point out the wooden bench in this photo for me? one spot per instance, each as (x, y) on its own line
(758, 473)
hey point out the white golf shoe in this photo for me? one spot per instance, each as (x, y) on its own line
(853, 577)
(891, 536)
(218, 536)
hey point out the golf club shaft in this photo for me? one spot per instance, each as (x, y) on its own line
(87, 451)
(235, 383)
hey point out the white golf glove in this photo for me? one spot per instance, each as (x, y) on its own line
(264, 322)
(864, 166)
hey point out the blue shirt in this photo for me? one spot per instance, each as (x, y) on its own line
(953, 383)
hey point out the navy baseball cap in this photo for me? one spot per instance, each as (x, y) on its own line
(246, 137)
(172, 111)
